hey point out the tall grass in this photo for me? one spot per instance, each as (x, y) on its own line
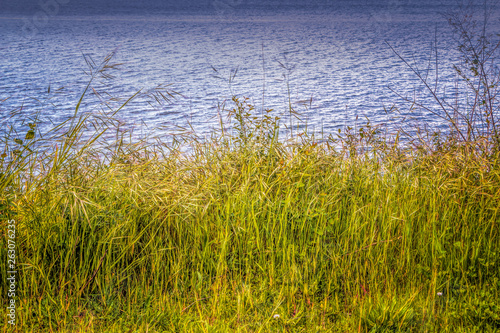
(246, 228)
(244, 233)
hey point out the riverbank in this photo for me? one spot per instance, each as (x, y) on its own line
(247, 234)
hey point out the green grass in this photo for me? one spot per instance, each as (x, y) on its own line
(243, 232)
(243, 228)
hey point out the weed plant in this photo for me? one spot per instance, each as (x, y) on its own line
(244, 233)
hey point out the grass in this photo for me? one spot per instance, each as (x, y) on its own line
(245, 228)
(244, 233)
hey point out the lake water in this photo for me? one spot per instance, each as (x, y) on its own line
(333, 61)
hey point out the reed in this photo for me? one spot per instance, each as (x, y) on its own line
(146, 238)
(244, 233)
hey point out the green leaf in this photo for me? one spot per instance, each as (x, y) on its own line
(18, 141)
(30, 135)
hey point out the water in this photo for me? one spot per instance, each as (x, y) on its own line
(333, 61)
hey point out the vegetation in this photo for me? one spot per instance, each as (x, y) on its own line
(242, 232)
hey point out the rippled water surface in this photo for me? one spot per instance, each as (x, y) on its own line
(334, 64)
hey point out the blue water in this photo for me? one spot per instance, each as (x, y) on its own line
(333, 61)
